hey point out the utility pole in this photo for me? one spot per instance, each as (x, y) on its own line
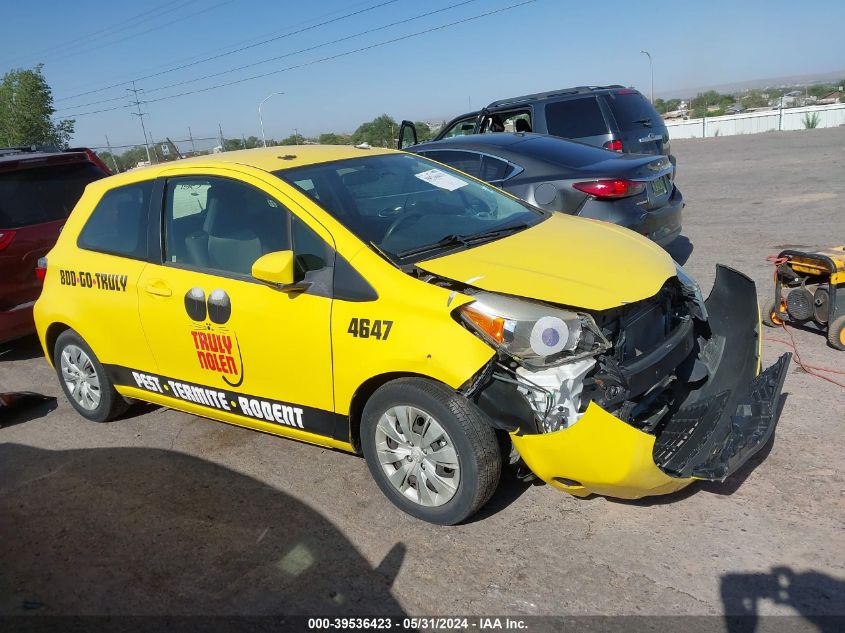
(116, 168)
(140, 115)
(296, 136)
(243, 138)
(261, 120)
(191, 136)
(220, 129)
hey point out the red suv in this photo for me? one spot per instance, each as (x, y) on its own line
(39, 186)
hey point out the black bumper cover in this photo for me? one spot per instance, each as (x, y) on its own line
(734, 413)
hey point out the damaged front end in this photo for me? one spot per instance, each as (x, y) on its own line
(634, 401)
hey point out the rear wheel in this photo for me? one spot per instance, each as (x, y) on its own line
(836, 333)
(84, 379)
(769, 316)
(430, 450)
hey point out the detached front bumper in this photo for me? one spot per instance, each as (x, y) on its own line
(711, 434)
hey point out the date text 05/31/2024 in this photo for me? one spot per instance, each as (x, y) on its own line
(419, 624)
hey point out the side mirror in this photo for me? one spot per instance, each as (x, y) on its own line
(407, 135)
(276, 270)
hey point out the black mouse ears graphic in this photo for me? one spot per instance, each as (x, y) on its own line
(218, 307)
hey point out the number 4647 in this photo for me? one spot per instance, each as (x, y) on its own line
(364, 328)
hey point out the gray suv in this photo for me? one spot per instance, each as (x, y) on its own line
(613, 117)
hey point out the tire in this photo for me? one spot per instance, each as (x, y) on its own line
(768, 315)
(836, 333)
(443, 429)
(96, 398)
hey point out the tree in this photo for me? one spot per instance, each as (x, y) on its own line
(26, 108)
(380, 132)
(423, 131)
(330, 138)
(293, 139)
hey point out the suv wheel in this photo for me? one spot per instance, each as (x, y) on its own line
(429, 450)
(84, 379)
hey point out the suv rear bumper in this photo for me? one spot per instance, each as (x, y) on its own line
(717, 429)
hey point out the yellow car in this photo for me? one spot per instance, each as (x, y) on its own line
(380, 303)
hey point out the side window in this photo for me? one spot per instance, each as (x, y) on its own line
(460, 128)
(224, 225)
(494, 169)
(515, 121)
(118, 224)
(220, 224)
(467, 162)
(575, 118)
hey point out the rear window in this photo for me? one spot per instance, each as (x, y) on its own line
(118, 224)
(43, 194)
(575, 118)
(632, 111)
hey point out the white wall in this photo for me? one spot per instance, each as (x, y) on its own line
(832, 115)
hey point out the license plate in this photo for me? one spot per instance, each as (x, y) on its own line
(658, 187)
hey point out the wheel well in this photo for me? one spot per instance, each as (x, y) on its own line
(362, 394)
(52, 335)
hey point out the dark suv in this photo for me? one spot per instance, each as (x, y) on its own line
(613, 117)
(39, 186)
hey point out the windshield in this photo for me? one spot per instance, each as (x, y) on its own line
(408, 207)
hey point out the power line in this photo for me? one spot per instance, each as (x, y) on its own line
(278, 57)
(200, 55)
(318, 61)
(114, 28)
(232, 52)
(169, 23)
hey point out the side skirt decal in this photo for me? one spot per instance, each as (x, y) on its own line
(310, 419)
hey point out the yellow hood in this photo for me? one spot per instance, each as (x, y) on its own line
(566, 260)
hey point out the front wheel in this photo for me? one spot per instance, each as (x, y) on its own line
(84, 379)
(430, 450)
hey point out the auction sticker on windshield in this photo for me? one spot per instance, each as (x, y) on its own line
(441, 179)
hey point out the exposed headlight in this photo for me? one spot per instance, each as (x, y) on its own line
(535, 334)
(691, 285)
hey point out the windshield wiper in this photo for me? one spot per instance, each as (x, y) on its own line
(449, 240)
(463, 240)
(494, 233)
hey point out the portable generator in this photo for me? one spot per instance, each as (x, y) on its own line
(810, 290)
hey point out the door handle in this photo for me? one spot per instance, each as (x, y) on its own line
(158, 288)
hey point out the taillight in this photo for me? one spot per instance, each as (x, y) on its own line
(6, 238)
(41, 269)
(615, 146)
(616, 188)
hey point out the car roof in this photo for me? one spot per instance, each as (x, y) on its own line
(12, 159)
(272, 158)
(516, 142)
(562, 92)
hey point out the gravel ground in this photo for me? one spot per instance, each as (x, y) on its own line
(166, 513)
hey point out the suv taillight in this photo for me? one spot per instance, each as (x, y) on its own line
(41, 269)
(6, 238)
(615, 146)
(616, 188)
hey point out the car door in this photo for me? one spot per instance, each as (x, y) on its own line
(246, 352)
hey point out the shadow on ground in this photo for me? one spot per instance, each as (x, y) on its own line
(680, 249)
(817, 597)
(146, 531)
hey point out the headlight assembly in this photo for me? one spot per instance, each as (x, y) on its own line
(536, 335)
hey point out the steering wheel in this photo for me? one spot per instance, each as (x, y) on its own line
(397, 223)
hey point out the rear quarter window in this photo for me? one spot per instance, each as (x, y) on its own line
(632, 111)
(43, 194)
(575, 118)
(118, 224)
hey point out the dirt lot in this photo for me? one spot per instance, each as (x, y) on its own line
(168, 513)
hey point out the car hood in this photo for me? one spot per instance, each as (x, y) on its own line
(564, 260)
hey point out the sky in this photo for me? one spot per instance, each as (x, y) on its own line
(495, 50)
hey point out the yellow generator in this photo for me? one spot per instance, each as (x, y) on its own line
(810, 289)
